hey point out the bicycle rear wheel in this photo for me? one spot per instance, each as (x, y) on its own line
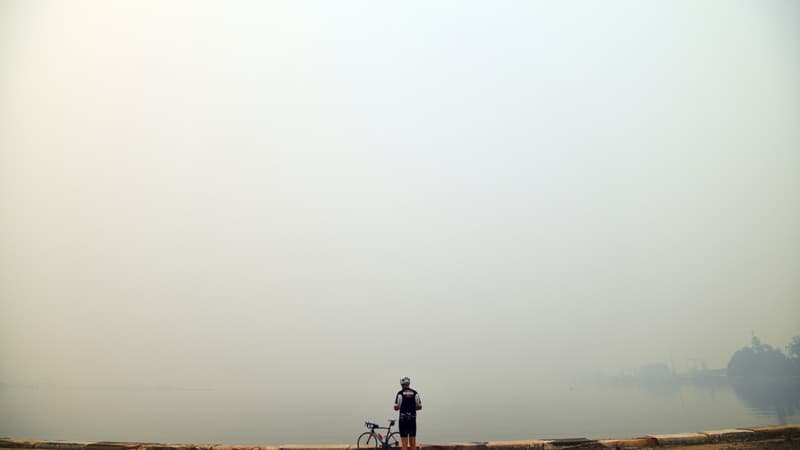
(367, 440)
(394, 440)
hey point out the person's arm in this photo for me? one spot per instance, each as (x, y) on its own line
(397, 402)
(418, 402)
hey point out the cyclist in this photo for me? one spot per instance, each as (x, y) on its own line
(407, 401)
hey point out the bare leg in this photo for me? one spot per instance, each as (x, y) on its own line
(413, 443)
(404, 441)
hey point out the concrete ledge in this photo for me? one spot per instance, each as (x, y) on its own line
(233, 447)
(730, 435)
(313, 447)
(784, 431)
(455, 446)
(166, 447)
(681, 439)
(642, 442)
(530, 444)
(242, 447)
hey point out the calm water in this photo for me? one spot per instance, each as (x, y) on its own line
(326, 416)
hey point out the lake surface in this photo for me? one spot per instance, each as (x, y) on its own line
(331, 415)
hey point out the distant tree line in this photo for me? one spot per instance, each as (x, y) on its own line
(762, 360)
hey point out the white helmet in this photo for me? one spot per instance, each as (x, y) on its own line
(405, 380)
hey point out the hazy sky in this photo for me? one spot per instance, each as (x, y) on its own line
(247, 193)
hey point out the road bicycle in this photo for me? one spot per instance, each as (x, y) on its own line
(373, 439)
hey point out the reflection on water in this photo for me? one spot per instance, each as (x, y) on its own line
(777, 397)
(673, 385)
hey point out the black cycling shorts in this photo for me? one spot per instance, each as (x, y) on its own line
(408, 426)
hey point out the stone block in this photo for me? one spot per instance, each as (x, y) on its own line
(730, 435)
(239, 447)
(166, 447)
(641, 442)
(454, 446)
(314, 447)
(529, 444)
(681, 439)
(110, 445)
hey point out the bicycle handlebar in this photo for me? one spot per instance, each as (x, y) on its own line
(373, 426)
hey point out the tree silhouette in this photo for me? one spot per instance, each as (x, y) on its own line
(765, 379)
(793, 349)
(759, 360)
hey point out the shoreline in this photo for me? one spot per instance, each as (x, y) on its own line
(764, 437)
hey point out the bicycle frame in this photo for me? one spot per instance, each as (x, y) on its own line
(382, 440)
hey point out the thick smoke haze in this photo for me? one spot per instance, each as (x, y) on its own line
(287, 197)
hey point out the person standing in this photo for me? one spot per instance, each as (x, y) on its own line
(407, 401)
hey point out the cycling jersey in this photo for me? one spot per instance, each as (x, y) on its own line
(408, 400)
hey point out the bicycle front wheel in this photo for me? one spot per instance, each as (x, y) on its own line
(394, 440)
(367, 440)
